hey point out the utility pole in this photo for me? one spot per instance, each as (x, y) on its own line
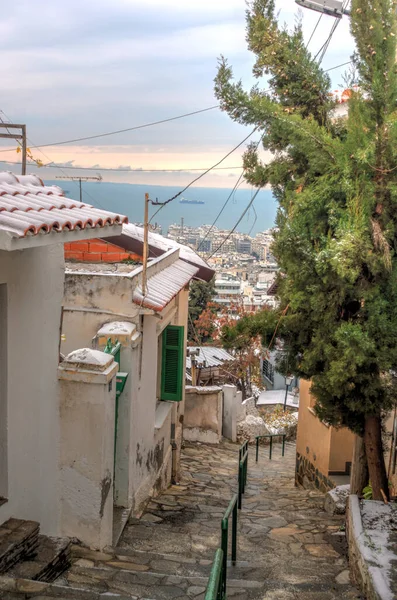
(145, 244)
(80, 179)
(21, 137)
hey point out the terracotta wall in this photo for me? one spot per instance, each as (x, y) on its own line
(97, 251)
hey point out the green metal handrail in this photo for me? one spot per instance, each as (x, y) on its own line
(217, 583)
(113, 349)
(214, 589)
(242, 472)
(231, 510)
(271, 436)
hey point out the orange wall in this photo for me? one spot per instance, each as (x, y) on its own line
(342, 441)
(313, 437)
(97, 251)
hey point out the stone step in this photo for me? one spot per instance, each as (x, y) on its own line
(155, 562)
(153, 585)
(18, 541)
(51, 559)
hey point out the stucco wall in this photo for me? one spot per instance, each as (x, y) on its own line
(92, 300)
(203, 415)
(34, 281)
(341, 451)
(313, 437)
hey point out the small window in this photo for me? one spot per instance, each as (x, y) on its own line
(172, 368)
(268, 370)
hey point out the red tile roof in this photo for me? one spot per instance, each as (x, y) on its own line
(28, 207)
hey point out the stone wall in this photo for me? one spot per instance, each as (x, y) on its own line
(368, 567)
(308, 476)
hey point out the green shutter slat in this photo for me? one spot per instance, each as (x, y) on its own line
(172, 363)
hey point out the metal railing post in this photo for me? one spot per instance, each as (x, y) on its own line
(271, 448)
(240, 483)
(224, 545)
(246, 469)
(283, 445)
(257, 449)
(234, 534)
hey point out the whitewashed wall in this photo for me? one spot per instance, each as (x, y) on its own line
(34, 281)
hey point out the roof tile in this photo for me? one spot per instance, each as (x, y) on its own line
(165, 285)
(28, 207)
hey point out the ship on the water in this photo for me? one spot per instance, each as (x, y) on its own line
(186, 201)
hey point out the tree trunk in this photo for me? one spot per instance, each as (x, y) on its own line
(359, 474)
(375, 458)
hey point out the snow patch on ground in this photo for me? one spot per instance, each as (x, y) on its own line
(379, 520)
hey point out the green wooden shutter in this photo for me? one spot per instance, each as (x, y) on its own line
(172, 369)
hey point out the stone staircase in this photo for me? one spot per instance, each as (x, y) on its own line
(288, 548)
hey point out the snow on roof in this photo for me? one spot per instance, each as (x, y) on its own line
(28, 208)
(272, 397)
(210, 355)
(131, 239)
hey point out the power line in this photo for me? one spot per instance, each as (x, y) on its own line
(255, 220)
(237, 224)
(162, 204)
(349, 62)
(221, 211)
(315, 29)
(324, 47)
(135, 128)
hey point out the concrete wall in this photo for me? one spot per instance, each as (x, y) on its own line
(150, 437)
(203, 414)
(91, 300)
(87, 410)
(29, 396)
(229, 426)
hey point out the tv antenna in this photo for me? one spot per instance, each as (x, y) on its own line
(80, 180)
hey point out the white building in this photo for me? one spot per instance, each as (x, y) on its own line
(35, 221)
(227, 290)
(104, 300)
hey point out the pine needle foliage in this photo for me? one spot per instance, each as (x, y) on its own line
(336, 183)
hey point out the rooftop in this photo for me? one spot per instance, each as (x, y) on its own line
(28, 208)
(212, 356)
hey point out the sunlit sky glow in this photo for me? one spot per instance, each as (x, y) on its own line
(77, 68)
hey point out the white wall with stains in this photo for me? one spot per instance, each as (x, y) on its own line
(29, 410)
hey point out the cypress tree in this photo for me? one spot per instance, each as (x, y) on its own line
(336, 183)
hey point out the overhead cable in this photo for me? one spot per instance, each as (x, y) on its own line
(237, 224)
(162, 204)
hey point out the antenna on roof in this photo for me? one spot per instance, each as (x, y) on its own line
(80, 179)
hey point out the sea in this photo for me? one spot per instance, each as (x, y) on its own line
(128, 199)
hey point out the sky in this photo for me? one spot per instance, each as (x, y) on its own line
(83, 67)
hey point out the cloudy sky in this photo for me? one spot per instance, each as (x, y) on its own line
(84, 67)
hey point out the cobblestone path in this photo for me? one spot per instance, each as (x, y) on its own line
(288, 547)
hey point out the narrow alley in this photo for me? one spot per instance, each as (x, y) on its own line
(288, 547)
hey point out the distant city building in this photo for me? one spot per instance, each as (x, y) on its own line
(244, 246)
(205, 245)
(227, 290)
